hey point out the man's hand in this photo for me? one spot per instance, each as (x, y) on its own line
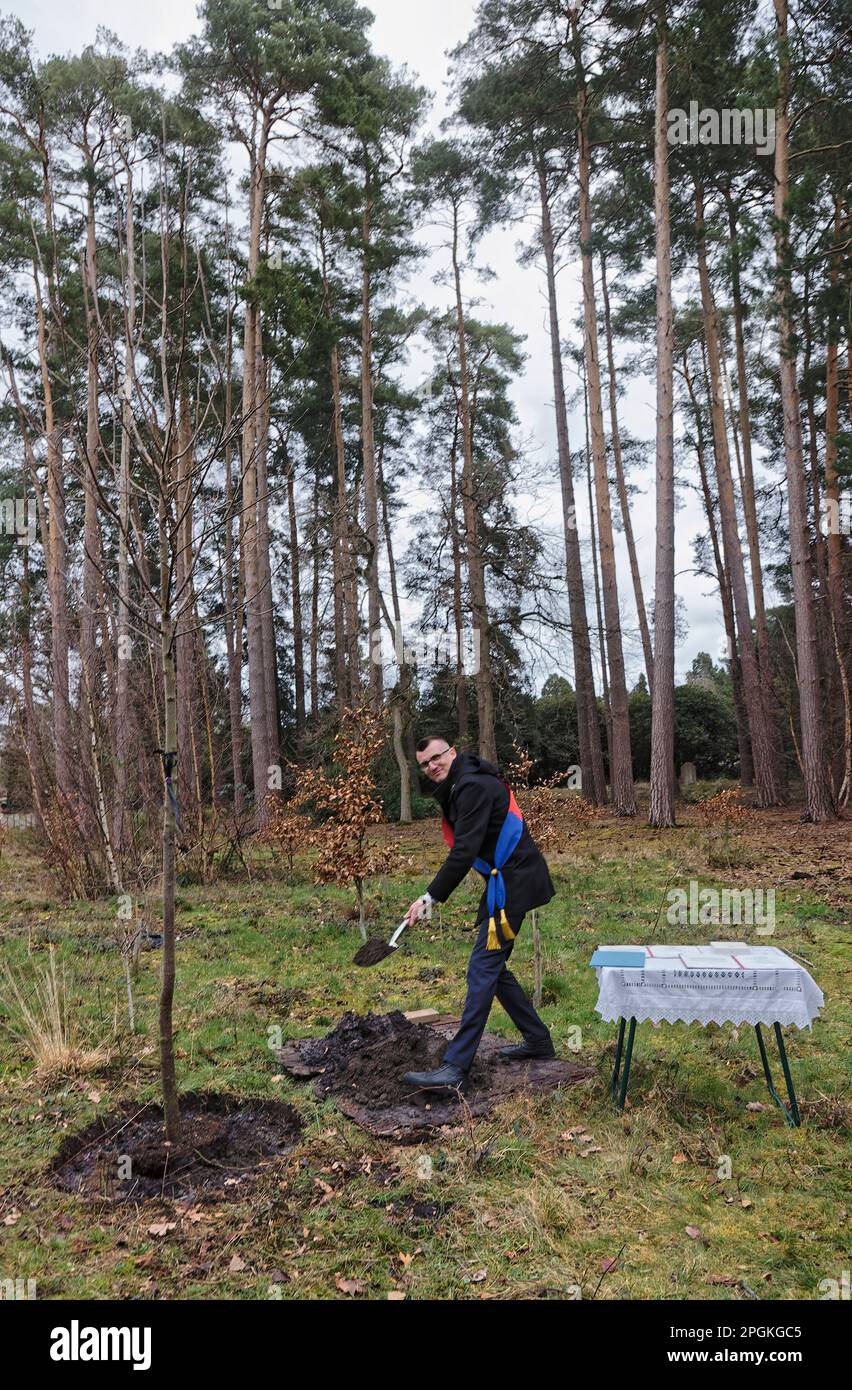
(421, 907)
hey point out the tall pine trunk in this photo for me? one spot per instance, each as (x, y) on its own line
(56, 564)
(746, 769)
(458, 598)
(253, 565)
(748, 490)
(766, 772)
(368, 451)
(615, 434)
(473, 553)
(621, 769)
(662, 797)
(296, 604)
(588, 728)
(818, 806)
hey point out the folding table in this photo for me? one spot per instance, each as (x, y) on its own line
(723, 982)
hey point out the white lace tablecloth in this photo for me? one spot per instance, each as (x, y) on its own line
(727, 982)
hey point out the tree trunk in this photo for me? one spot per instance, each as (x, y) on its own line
(267, 603)
(315, 618)
(475, 566)
(818, 805)
(123, 638)
(92, 554)
(350, 575)
(55, 547)
(401, 699)
(621, 769)
(765, 768)
(368, 449)
(588, 728)
(838, 617)
(261, 736)
(296, 600)
(748, 492)
(607, 709)
(458, 605)
(537, 986)
(347, 673)
(746, 769)
(171, 1111)
(662, 797)
(639, 597)
(184, 635)
(233, 611)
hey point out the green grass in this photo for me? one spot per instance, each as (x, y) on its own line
(512, 1195)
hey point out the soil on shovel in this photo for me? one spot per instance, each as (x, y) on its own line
(362, 1061)
(225, 1143)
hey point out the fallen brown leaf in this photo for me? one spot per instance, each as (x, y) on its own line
(350, 1286)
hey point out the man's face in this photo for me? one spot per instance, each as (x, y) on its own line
(436, 759)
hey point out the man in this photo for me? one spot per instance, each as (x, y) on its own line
(484, 829)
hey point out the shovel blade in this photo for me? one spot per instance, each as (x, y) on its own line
(372, 952)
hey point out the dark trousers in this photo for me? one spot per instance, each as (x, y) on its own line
(487, 978)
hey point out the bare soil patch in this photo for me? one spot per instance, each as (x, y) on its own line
(362, 1061)
(226, 1143)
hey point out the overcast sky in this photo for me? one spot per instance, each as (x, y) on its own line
(419, 35)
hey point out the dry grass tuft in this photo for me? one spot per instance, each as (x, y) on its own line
(40, 1018)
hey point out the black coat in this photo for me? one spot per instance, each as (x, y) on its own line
(474, 799)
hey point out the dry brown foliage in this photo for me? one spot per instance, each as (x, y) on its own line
(346, 800)
(68, 855)
(724, 817)
(726, 808)
(285, 829)
(544, 812)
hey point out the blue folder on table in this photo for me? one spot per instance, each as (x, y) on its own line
(625, 959)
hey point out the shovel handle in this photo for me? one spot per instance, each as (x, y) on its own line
(398, 933)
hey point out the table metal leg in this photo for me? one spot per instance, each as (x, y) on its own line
(791, 1113)
(613, 1085)
(617, 1092)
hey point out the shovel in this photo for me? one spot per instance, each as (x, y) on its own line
(376, 949)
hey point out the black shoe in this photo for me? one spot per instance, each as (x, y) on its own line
(446, 1078)
(523, 1052)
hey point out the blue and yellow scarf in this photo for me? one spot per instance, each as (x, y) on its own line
(507, 841)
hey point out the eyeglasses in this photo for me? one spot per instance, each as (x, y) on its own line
(434, 758)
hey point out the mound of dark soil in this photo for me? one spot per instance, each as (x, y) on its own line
(373, 1073)
(354, 1031)
(225, 1143)
(362, 1061)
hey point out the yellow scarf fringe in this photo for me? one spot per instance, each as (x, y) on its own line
(493, 939)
